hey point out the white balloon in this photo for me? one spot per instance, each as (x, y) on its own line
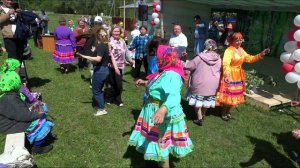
(297, 20)
(154, 15)
(285, 57)
(297, 67)
(297, 35)
(298, 84)
(156, 21)
(290, 46)
(158, 8)
(296, 55)
(292, 77)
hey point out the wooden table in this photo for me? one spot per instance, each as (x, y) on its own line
(48, 43)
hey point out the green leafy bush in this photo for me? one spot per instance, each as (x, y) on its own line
(255, 79)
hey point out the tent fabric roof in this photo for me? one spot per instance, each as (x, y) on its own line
(269, 5)
(135, 6)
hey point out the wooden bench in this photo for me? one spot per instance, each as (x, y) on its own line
(17, 139)
(267, 100)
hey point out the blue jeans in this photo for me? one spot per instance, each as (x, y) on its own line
(99, 76)
(198, 46)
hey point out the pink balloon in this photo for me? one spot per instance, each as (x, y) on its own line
(154, 4)
(291, 35)
(152, 23)
(298, 44)
(286, 68)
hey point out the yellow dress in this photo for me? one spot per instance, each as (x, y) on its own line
(231, 93)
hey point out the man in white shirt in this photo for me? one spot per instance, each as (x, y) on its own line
(130, 55)
(179, 41)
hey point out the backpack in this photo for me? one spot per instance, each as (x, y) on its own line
(23, 31)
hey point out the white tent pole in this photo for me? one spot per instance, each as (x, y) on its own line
(162, 19)
(124, 16)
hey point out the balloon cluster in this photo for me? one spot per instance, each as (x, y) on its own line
(156, 15)
(291, 56)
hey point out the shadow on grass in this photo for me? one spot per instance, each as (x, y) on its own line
(131, 72)
(85, 79)
(135, 113)
(37, 81)
(264, 150)
(137, 159)
(290, 112)
(72, 68)
(214, 111)
(188, 110)
(290, 145)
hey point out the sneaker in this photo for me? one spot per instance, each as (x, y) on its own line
(35, 150)
(100, 112)
(121, 104)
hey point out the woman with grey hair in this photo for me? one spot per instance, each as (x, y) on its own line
(205, 71)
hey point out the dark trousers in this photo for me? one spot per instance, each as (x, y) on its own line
(15, 49)
(138, 64)
(82, 62)
(36, 33)
(116, 82)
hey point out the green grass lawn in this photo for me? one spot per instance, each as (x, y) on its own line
(255, 137)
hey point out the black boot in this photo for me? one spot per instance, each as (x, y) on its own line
(198, 122)
(35, 150)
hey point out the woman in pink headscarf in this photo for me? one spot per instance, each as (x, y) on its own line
(160, 128)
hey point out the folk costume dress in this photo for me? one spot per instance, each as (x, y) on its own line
(156, 142)
(64, 46)
(231, 93)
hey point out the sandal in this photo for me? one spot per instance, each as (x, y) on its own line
(228, 115)
(62, 69)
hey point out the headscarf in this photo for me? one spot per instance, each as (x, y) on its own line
(9, 64)
(168, 60)
(10, 81)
